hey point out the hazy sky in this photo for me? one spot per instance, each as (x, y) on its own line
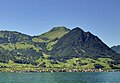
(33, 17)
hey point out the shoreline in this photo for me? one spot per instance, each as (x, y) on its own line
(51, 70)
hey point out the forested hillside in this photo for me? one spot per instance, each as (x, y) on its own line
(58, 48)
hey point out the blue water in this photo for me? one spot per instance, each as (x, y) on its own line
(64, 77)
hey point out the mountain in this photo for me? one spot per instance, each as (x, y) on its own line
(51, 37)
(22, 48)
(116, 48)
(18, 47)
(13, 37)
(60, 47)
(55, 32)
(78, 43)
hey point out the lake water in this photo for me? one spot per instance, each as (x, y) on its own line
(63, 77)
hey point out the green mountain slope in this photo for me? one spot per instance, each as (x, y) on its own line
(58, 48)
(18, 47)
(22, 48)
(13, 37)
(51, 37)
(78, 43)
(56, 32)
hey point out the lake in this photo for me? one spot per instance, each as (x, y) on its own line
(61, 77)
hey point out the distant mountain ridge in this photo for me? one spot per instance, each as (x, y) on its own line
(116, 48)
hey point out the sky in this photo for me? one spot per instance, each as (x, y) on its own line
(34, 17)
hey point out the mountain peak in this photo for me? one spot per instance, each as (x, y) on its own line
(77, 29)
(55, 32)
(60, 28)
(78, 43)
